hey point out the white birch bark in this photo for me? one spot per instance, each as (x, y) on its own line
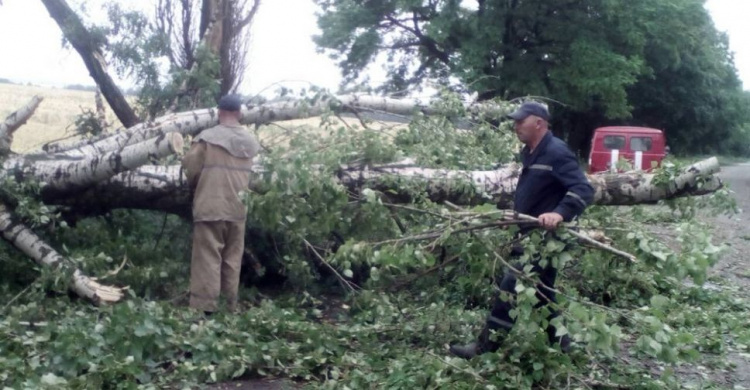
(639, 187)
(79, 172)
(32, 246)
(150, 187)
(165, 188)
(192, 122)
(495, 186)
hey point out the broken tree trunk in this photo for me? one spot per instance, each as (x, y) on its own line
(13, 122)
(31, 245)
(165, 188)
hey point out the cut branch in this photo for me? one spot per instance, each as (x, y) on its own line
(581, 237)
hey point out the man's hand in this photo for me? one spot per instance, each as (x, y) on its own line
(550, 221)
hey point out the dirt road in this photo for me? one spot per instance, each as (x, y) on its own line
(735, 230)
(734, 265)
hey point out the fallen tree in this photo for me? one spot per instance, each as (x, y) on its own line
(94, 176)
(164, 188)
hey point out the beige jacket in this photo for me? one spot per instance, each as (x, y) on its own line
(218, 167)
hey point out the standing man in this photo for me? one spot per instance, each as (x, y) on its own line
(552, 188)
(218, 168)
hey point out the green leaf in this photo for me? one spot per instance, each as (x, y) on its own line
(659, 302)
(51, 379)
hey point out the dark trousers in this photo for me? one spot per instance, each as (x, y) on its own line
(499, 318)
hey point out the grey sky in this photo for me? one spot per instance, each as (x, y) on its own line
(281, 48)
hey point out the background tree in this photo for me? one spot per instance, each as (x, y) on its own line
(692, 88)
(604, 62)
(184, 54)
(89, 45)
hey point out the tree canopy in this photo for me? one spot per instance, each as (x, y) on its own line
(182, 54)
(600, 62)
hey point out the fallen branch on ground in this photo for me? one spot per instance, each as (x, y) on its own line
(33, 246)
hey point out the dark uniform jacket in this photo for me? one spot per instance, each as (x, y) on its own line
(552, 181)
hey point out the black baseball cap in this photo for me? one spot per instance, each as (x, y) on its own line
(230, 103)
(530, 108)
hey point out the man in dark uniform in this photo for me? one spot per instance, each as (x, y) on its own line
(552, 188)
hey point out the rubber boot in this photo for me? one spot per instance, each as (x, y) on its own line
(564, 340)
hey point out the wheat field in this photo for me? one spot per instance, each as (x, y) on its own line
(54, 118)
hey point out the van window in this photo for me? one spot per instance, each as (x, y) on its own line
(614, 142)
(640, 144)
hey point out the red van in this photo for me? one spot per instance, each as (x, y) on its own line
(642, 147)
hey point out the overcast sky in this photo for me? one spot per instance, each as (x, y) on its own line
(280, 50)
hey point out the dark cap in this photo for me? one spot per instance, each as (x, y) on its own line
(530, 108)
(230, 103)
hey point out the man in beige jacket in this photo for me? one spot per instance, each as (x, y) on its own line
(218, 168)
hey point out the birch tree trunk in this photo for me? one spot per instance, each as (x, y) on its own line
(498, 186)
(193, 122)
(165, 188)
(150, 187)
(76, 173)
(31, 245)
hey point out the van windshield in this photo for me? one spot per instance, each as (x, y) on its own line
(614, 142)
(640, 144)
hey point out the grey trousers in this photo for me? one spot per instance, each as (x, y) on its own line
(215, 264)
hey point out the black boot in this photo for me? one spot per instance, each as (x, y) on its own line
(484, 344)
(565, 344)
(465, 351)
(563, 340)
